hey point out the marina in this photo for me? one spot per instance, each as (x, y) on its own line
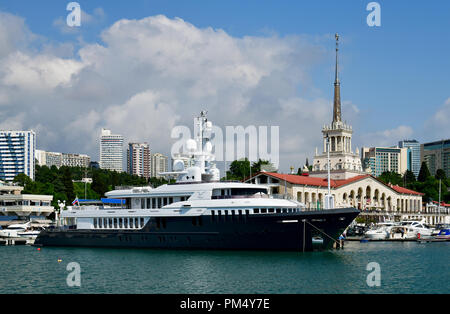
(199, 211)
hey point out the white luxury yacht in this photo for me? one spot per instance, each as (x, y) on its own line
(199, 212)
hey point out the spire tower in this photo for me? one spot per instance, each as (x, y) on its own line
(337, 88)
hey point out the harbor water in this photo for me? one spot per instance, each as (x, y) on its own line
(407, 267)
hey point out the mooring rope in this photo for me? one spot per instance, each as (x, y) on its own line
(322, 231)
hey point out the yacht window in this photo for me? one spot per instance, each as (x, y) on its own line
(220, 214)
(115, 223)
(131, 223)
(159, 202)
(95, 223)
(142, 203)
(148, 203)
(136, 223)
(110, 223)
(285, 210)
(263, 210)
(170, 200)
(125, 223)
(164, 201)
(271, 210)
(240, 212)
(212, 215)
(278, 210)
(142, 222)
(256, 210)
(120, 223)
(100, 222)
(247, 212)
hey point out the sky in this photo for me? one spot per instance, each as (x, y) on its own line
(142, 68)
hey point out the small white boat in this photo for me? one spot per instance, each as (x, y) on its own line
(12, 230)
(30, 233)
(411, 230)
(381, 231)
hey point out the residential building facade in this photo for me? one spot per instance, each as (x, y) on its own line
(50, 159)
(111, 151)
(159, 164)
(382, 159)
(413, 155)
(139, 159)
(436, 155)
(17, 154)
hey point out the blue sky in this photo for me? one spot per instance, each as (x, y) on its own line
(394, 75)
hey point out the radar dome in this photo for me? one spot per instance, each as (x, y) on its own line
(178, 165)
(191, 145)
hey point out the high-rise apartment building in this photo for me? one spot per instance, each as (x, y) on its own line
(436, 155)
(382, 159)
(159, 164)
(413, 155)
(17, 154)
(111, 151)
(139, 159)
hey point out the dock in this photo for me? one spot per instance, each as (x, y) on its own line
(422, 240)
(16, 241)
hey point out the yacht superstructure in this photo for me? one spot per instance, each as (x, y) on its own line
(199, 212)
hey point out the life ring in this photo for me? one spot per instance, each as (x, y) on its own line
(418, 235)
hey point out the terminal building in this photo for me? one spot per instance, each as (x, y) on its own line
(17, 206)
(350, 185)
(337, 142)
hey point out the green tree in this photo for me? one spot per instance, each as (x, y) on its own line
(22, 179)
(391, 177)
(409, 178)
(100, 183)
(239, 169)
(68, 183)
(424, 173)
(440, 174)
(262, 165)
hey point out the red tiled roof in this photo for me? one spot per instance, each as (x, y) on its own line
(307, 180)
(442, 204)
(401, 190)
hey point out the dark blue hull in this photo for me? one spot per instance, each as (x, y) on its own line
(283, 232)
